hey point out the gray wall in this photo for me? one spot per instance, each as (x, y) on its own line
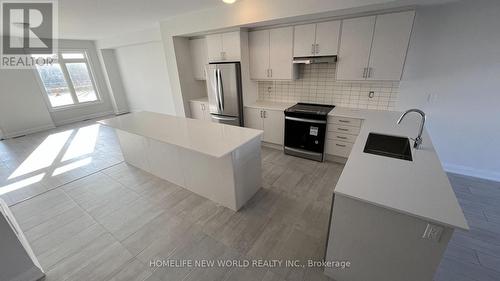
(454, 56)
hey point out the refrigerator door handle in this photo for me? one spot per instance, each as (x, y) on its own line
(224, 118)
(216, 87)
(220, 90)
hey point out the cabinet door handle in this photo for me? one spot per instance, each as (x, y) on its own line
(264, 113)
(344, 121)
(370, 71)
(312, 49)
(342, 129)
(364, 72)
(342, 138)
(341, 145)
(317, 49)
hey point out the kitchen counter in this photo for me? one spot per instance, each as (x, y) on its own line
(418, 188)
(204, 99)
(271, 105)
(212, 139)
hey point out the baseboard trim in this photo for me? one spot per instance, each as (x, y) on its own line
(28, 131)
(85, 117)
(471, 172)
(272, 145)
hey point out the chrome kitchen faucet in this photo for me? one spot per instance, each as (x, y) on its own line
(418, 140)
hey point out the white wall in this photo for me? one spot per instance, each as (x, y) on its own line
(22, 108)
(114, 80)
(455, 56)
(145, 79)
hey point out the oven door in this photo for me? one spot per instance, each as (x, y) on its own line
(306, 136)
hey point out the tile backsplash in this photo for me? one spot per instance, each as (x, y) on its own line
(317, 84)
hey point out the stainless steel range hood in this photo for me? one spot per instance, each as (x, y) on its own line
(312, 60)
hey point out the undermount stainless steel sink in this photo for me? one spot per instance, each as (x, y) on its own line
(389, 146)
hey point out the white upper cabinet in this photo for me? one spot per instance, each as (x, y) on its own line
(317, 39)
(214, 47)
(224, 47)
(281, 53)
(327, 38)
(199, 57)
(259, 54)
(354, 51)
(390, 43)
(304, 40)
(231, 46)
(374, 48)
(271, 54)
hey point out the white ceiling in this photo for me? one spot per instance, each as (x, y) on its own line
(101, 19)
(97, 19)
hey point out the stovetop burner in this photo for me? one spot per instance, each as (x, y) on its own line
(309, 110)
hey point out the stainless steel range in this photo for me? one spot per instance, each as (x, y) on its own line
(305, 130)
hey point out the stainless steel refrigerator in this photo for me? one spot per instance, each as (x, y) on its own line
(224, 93)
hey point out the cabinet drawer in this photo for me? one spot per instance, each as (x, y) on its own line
(341, 137)
(343, 129)
(338, 148)
(345, 121)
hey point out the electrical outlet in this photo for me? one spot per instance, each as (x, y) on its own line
(433, 232)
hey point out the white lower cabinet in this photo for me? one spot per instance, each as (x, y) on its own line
(338, 148)
(341, 135)
(199, 110)
(270, 121)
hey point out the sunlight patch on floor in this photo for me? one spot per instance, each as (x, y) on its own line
(44, 155)
(72, 166)
(83, 143)
(21, 184)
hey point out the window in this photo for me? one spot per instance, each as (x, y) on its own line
(68, 81)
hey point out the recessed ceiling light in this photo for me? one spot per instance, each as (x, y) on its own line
(229, 1)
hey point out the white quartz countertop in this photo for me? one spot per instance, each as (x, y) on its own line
(204, 99)
(270, 105)
(419, 188)
(213, 139)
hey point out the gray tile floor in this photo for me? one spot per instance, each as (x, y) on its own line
(106, 220)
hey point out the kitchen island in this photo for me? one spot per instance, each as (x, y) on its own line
(391, 218)
(219, 162)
